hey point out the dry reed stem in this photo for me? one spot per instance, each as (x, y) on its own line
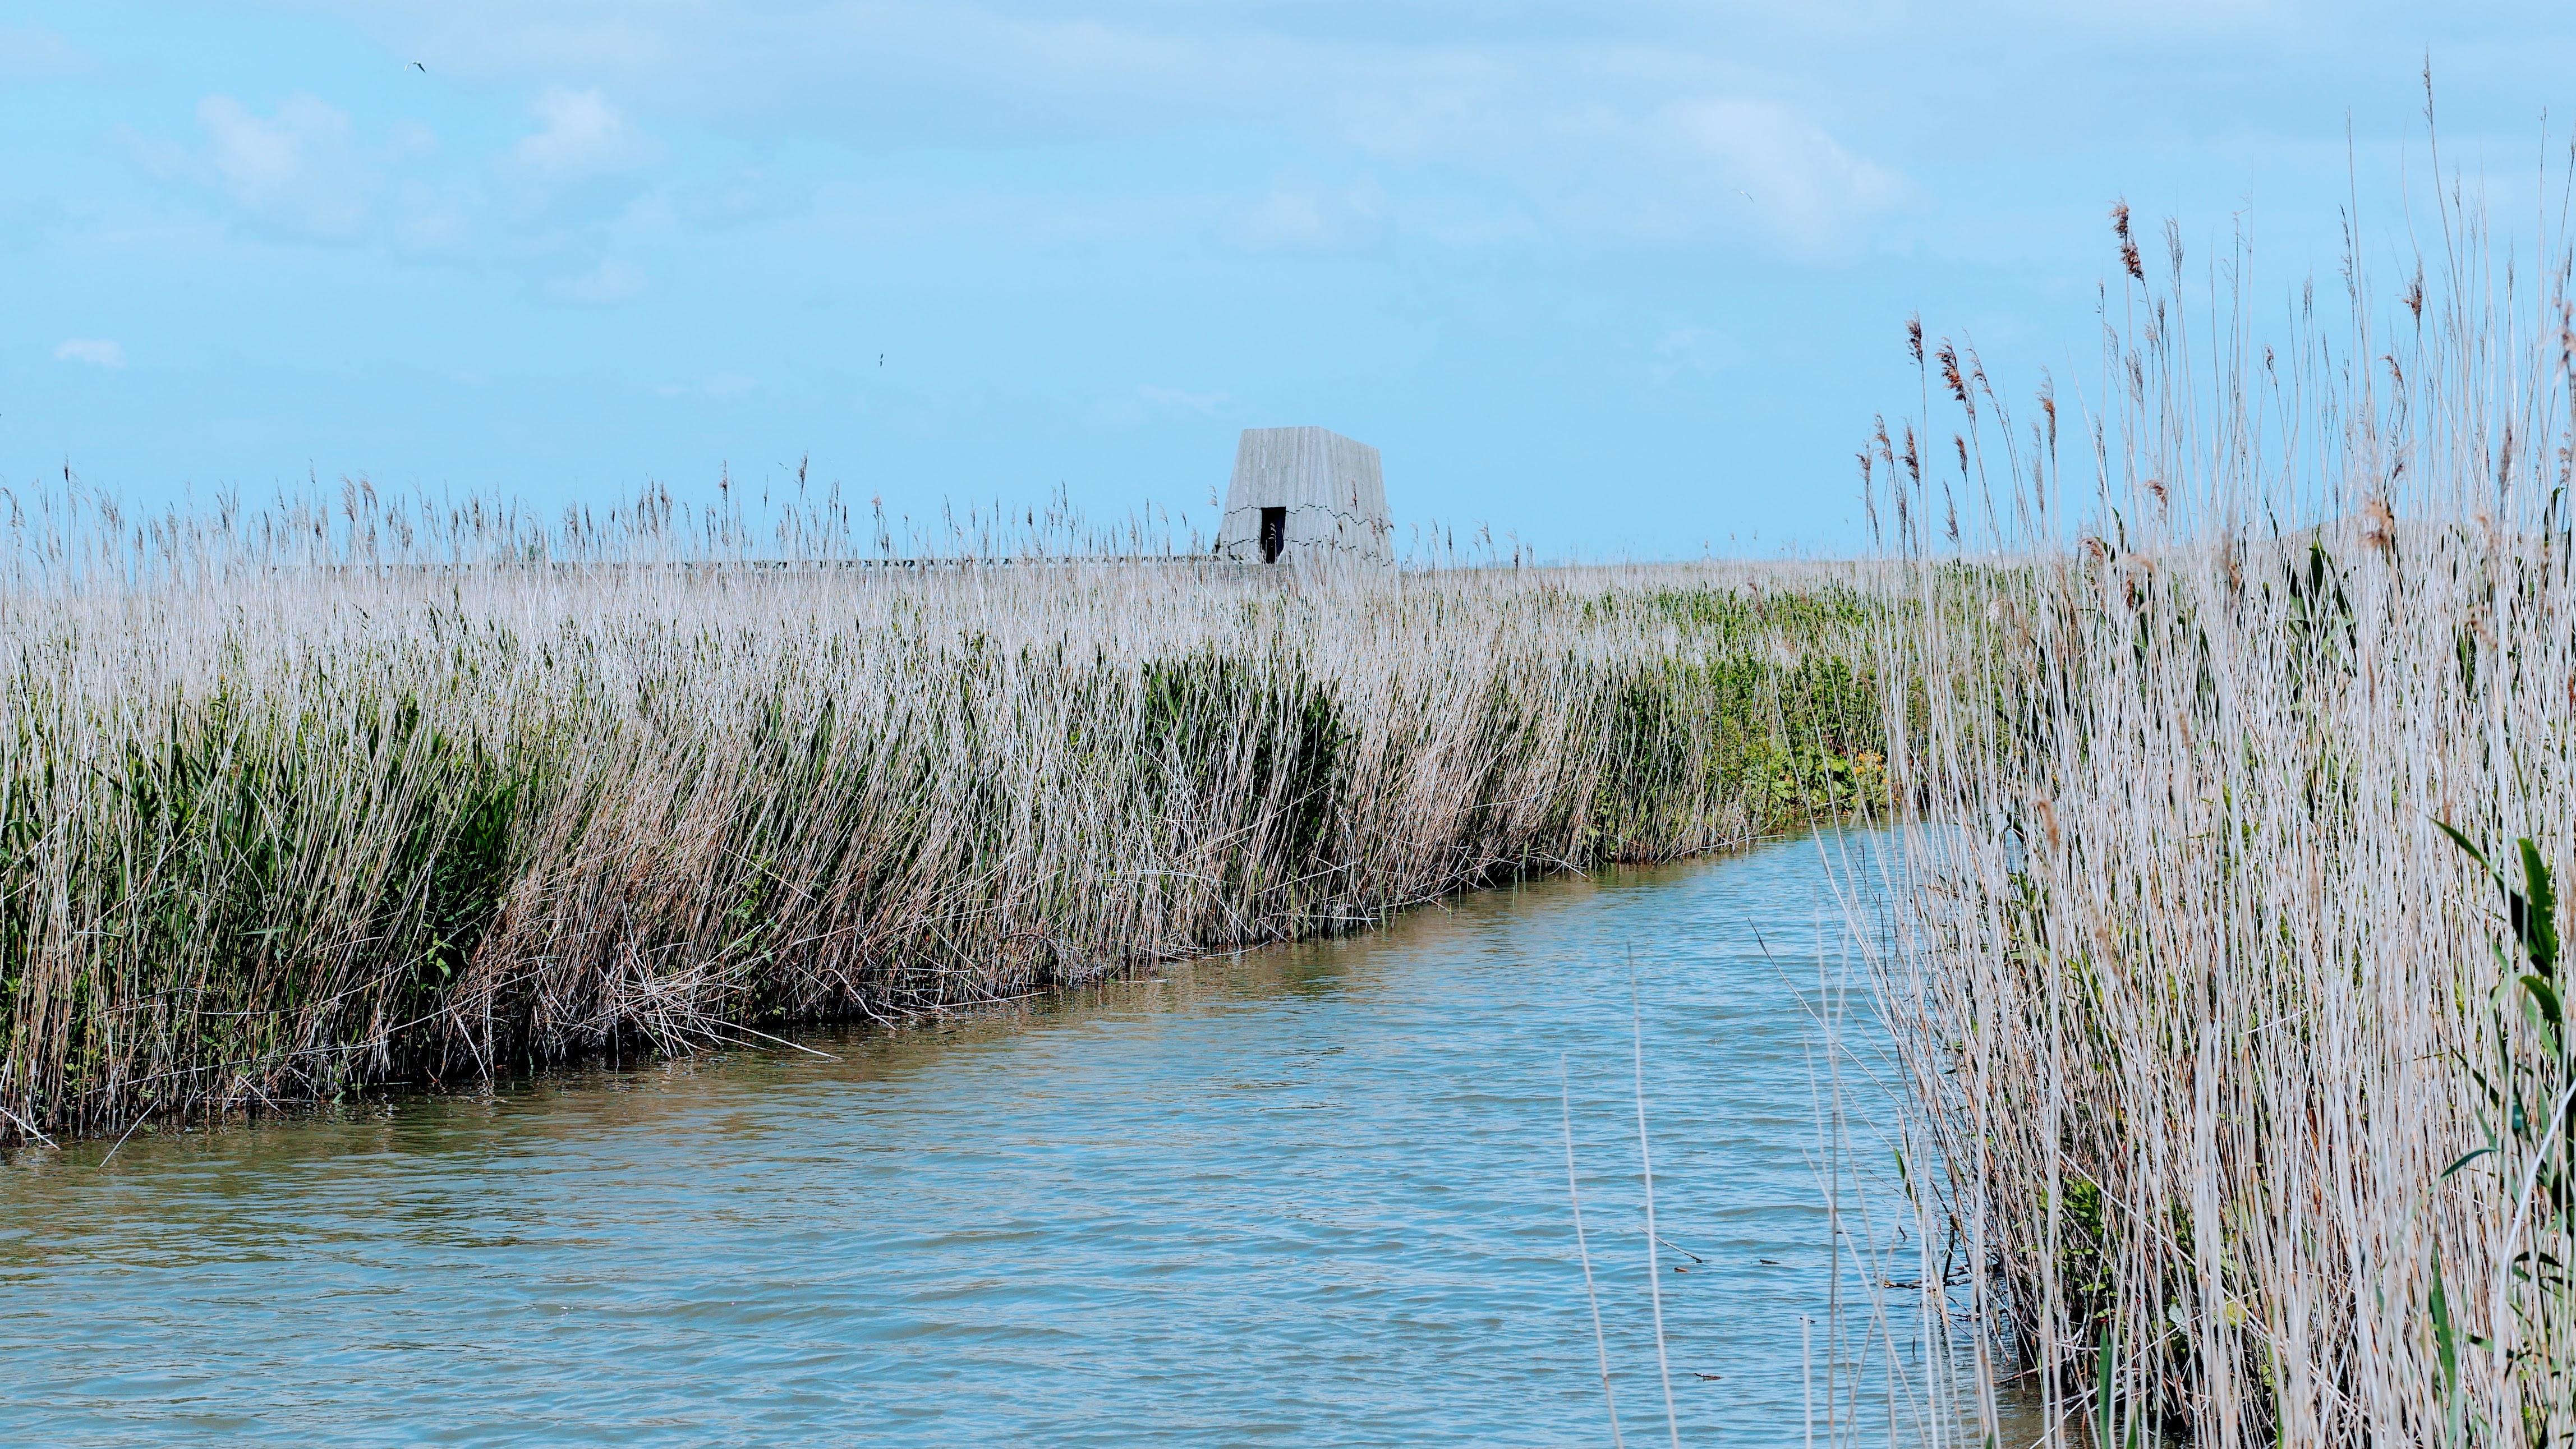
(2200, 1004)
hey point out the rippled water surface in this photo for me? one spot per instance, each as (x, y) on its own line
(1309, 1196)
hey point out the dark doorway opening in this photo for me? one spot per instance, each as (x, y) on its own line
(1274, 533)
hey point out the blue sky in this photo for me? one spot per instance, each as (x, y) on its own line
(1620, 278)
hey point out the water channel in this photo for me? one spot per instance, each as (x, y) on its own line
(1310, 1195)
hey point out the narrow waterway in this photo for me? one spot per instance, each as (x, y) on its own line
(1312, 1195)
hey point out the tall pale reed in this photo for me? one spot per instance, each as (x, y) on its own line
(2209, 1017)
(302, 800)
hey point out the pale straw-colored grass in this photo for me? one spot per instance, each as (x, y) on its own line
(309, 799)
(2200, 1002)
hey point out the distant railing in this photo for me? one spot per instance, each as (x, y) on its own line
(774, 565)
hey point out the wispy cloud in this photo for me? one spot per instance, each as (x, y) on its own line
(586, 159)
(1299, 214)
(1489, 125)
(610, 281)
(1173, 397)
(97, 351)
(1499, 132)
(1627, 146)
(301, 172)
(1693, 354)
(1801, 187)
(862, 70)
(581, 135)
(39, 52)
(296, 169)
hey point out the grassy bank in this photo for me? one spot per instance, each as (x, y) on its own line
(2252, 1083)
(301, 803)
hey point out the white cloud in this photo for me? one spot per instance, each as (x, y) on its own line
(1626, 145)
(158, 157)
(39, 52)
(297, 171)
(1691, 355)
(585, 160)
(431, 218)
(1801, 186)
(581, 135)
(1299, 215)
(1501, 129)
(1176, 398)
(867, 70)
(96, 351)
(303, 173)
(610, 281)
(409, 140)
(740, 197)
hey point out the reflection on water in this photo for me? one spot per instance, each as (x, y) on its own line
(1312, 1195)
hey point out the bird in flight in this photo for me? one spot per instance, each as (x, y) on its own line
(416, 65)
(880, 359)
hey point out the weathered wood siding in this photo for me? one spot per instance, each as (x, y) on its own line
(1334, 491)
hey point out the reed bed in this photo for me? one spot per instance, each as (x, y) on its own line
(306, 800)
(2229, 983)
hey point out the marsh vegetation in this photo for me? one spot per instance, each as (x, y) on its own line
(346, 793)
(2231, 986)
(2227, 973)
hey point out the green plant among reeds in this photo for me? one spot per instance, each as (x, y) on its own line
(2527, 1162)
(307, 800)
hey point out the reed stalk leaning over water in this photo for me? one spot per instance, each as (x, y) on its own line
(2251, 1082)
(304, 800)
